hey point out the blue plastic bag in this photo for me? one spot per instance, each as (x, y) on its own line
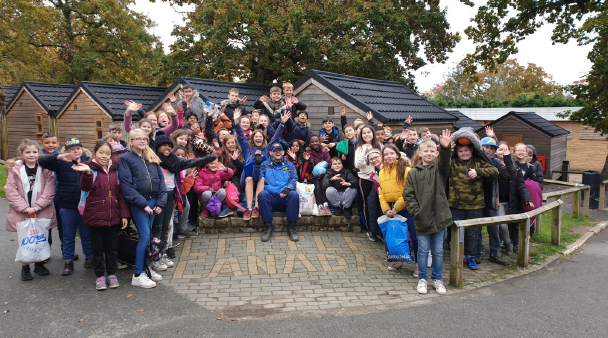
(396, 236)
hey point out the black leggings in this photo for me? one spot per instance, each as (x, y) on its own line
(104, 241)
(319, 193)
(160, 227)
(365, 189)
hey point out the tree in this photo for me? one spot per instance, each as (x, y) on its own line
(503, 83)
(500, 24)
(275, 40)
(68, 41)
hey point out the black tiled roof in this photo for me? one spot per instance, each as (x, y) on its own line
(51, 96)
(536, 121)
(217, 91)
(10, 92)
(111, 97)
(390, 101)
(464, 121)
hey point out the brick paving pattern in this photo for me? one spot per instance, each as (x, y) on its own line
(341, 273)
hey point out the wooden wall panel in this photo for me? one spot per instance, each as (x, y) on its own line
(21, 122)
(584, 153)
(318, 103)
(78, 120)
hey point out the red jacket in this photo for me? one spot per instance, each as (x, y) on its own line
(106, 206)
(207, 178)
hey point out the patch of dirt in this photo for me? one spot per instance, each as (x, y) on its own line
(580, 229)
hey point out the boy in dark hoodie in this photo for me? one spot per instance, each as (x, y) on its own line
(538, 168)
(466, 196)
(340, 186)
(272, 106)
(330, 136)
(233, 102)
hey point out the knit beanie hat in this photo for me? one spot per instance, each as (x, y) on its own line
(162, 139)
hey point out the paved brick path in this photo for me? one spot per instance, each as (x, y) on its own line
(238, 276)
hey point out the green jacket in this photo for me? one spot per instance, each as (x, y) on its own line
(466, 193)
(424, 195)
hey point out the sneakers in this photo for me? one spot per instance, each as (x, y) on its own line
(438, 285)
(88, 263)
(239, 212)
(497, 260)
(429, 262)
(255, 213)
(268, 229)
(158, 265)
(68, 268)
(324, 211)
(170, 253)
(348, 213)
(40, 269)
(415, 273)
(509, 249)
(113, 281)
(472, 263)
(205, 213)
(142, 281)
(155, 276)
(100, 283)
(372, 237)
(291, 231)
(26, 274)
(337, 212)
(168, 262)
(395, 266)
(421, 288)
(247, 215)
(189, 234)
(225, 213)
(515, 248)
(121, 266)
(315, 210)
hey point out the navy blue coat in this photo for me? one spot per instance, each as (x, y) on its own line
(141, 180)
(68, 180)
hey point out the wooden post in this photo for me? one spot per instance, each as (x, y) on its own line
(523, 251)
(576, 204)
(556, 225)
(602, 195)
(565, 168)
(586, 201)
(456, 253)
(538, 225)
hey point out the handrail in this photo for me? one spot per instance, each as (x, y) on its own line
(576, 198)
(603, 186)
(524, 220)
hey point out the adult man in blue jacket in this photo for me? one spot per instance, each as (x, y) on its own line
(279, 193)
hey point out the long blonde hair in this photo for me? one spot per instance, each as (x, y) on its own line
(149, 154)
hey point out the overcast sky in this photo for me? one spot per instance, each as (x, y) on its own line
(566, 63)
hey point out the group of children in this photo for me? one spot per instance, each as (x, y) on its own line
(190, 160)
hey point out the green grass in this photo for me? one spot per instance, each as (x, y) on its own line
(3, 176)
(540, 243)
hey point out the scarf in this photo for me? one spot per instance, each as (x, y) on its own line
(26, 184)
(169, 162)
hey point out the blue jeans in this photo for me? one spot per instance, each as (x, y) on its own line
(143, 222)
(270, 202)
(435, 243)
(72, 220)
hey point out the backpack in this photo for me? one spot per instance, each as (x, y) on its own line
(155, 249)
(83, 196)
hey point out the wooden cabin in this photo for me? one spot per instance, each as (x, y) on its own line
(464, 121)
(92, 106)
(390, 102)
(214, 91)
(31, 112)
(9, 92)
(587, 149)
(549, 139)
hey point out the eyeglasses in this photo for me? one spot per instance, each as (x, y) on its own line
(373, 159)
(139, 139)
(521, 151)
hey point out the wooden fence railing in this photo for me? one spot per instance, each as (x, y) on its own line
(603, 187)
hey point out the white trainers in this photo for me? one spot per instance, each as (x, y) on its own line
(315, 210)
(168, 262)
(421, 288)
(158, 265)
(438, 285)
(142, 281)
(155, 276)
(429, 263)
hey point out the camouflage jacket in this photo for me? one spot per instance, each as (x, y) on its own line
(466, 193)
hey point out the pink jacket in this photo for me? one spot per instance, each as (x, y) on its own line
(15, 196)
(207, 178)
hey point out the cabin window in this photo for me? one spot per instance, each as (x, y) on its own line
(39, 126)
(99, 129)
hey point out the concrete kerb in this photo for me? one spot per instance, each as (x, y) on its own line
(579, 243)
